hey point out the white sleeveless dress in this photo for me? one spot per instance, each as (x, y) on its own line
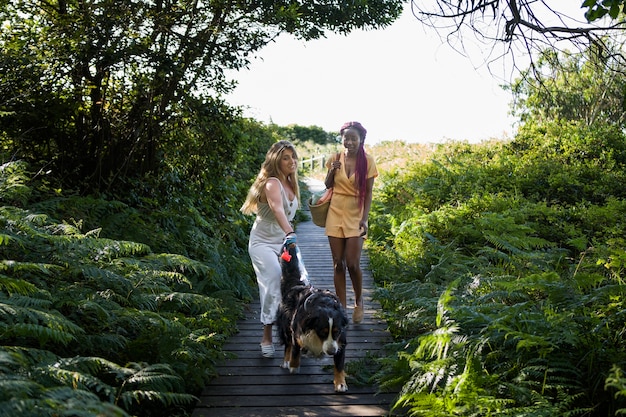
(264, 247)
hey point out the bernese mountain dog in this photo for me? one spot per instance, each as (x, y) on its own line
(310, 320)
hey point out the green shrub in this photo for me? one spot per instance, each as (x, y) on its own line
(501, 274)
(109, 326)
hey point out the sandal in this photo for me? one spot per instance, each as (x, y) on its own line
(267, 351)
(357, 314)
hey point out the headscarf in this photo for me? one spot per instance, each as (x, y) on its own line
(360, 171)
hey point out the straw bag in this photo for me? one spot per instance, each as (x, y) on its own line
(319, 209)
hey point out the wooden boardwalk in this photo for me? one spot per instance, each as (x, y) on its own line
(251, 386)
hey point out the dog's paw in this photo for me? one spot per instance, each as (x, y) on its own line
(340, 381)
(342, 387)
(294, 370)
(285, 365)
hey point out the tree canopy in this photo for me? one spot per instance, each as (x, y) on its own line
(584, 88)
(95, 88)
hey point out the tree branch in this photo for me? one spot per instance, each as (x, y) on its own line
(525, 25)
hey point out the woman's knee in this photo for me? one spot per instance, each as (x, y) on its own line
(354, 267)
(340, 266)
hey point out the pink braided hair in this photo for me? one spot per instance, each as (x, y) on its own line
(360, 171)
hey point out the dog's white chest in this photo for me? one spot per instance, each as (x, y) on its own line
(317, 346)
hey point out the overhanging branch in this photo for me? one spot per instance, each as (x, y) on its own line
(519, 26)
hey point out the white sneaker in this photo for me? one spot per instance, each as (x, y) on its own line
(267, 351)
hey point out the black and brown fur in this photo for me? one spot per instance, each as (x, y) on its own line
(310, 321)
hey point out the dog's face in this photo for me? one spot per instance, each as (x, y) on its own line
(323, 339)
(323, 326)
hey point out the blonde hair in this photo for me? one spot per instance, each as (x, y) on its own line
(270, 168)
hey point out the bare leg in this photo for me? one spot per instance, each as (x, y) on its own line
(267, 346)
(337, 248)
(354, 246)
(267, 335)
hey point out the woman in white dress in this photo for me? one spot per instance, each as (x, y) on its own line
(274, 197)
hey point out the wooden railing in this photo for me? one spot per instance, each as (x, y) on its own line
(313, 163)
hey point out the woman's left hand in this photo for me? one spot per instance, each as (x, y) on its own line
(363, 226)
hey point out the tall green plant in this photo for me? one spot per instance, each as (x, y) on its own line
(38, 383)
(507, 301)
(103, 324)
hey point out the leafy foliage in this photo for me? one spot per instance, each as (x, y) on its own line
(37, 382)
(101, 92)
(301, 134)
(588, 87)
(599, 9)
(74, 305)
(501, 272)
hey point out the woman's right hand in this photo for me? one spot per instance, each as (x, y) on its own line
(330, 176)
(290, 238)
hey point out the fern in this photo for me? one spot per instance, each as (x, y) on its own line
(79, 294)
(30, 389)
(32, 322)
(159, 377)
(59, 385)
(61, 401)
(16, 286)
(530, 297)
(13, 180)
(157, 283)
(617, 381)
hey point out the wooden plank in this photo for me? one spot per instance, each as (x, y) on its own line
(267, 388)
(278, 379)
(249, 385)
(372, 342)
(287, 399)
(282, 411)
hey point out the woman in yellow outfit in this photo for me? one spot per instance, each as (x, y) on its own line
(351, 175)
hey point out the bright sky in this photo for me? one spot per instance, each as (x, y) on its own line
(401, 83)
